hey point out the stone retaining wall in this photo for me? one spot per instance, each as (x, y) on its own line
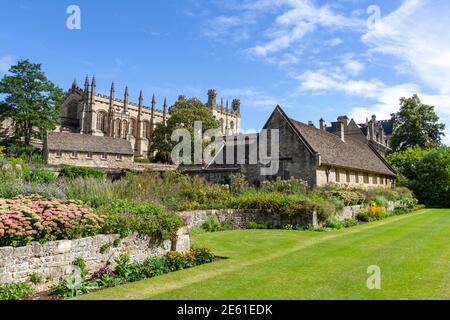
(239, 219)
(53, 260)
(352, 211)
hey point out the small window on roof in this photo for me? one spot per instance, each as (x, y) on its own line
(89, 155)
(118, 157)
(59, 153)
(74, 154)
(104, 156)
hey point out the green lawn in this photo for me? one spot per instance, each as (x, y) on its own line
(413, 252)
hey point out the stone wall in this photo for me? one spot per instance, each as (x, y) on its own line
(239, 219)
(96, 161)
(352, 211)
(53, 260)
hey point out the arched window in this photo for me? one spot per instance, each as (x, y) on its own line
(118, 128)
(146, 128)
(232, 126)
(133, 128)
(125, 129)
(101, 122)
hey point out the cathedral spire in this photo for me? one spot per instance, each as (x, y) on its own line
(125, 100)
(93, 85)
(165, 111)
(112, 98)
(141, 98)
(74, 84)
(86, 83)
(153, 102)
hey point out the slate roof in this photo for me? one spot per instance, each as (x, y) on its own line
(65, 141)
(351, 154)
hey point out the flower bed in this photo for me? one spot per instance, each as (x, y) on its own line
(34, 218)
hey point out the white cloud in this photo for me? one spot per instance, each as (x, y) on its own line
(334, 42)
(417, 34)
(253, 98)
(5, 63)
(386, 98)
(351, 65)
(301, 17)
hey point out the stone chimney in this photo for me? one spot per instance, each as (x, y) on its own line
(372, 128)
(343, 119)
(322, 124)
(212, 96)
(381, 135)
(341, 130)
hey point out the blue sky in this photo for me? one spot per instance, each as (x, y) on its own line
(315, 58)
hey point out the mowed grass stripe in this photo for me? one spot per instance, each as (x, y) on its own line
(307, 273)
(272, 264)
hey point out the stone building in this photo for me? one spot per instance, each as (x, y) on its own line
(318, 156)
(88, 151)
(89, 113)
(376, 133)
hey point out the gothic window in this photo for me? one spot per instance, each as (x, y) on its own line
(146, 125)
(125, 129)
(101, 122)
(118, 128)
(133, 128)
(232, 126)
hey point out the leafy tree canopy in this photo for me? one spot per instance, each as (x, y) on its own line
(182, 116)
(432, 181)
(416, 124)
(31, 101)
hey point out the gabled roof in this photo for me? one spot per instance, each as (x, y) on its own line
(350, 154)
(66, 141)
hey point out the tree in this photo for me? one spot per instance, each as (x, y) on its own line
(432, 181)
(182, 116)
(32, 101)
(405, 163)
(416, 124)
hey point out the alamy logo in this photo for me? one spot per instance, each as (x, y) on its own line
(375, 16)
(374, 280)
(73, 22)
(211, 147)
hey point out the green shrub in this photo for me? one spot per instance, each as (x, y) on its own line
(15, 291)
(36, 278)
(292, 186)
(177, 261)
(201, 255)
(333, 223)
(380, 201)
(146, 218)
(40, 176)
(253, 225)
(72, 172)
(291, 206)
(348, 223)
(76, 283)
(212, 224)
